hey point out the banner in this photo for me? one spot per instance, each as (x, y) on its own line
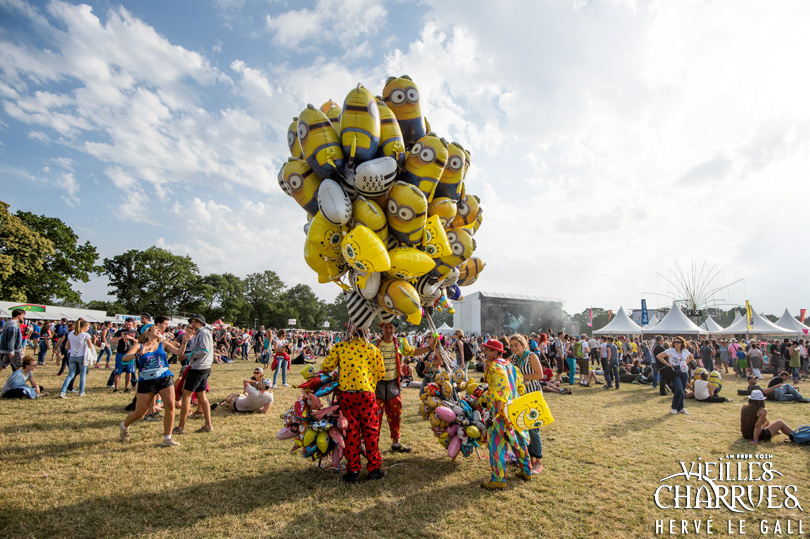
(326, 324)
(749, 317)
(801, 312)
(30, 308)
(291, 322)
(610, 314)
(645, 316)
(590, 318)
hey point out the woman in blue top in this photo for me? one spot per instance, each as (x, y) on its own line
(154, 378)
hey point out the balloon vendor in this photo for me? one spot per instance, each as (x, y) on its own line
(389, 398)
(361, 367)
(505, 383)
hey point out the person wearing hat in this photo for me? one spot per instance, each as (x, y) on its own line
(387, 391)
(754, 424)
(504, 383)
(201, 356)
(255, 398)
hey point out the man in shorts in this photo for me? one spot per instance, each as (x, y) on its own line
(559, 352)
(581, 352)
(201, 356)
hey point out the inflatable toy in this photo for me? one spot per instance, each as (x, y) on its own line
(406, 208)
(292, 140)
(368, 213)
(391, 142)
(359, 126)
(408, 263)
(374, 178)
(399, 297)
(364, 252)
(302, 183)
(319, 143)
(450, 181)
(402, 96)
(333, 203)
(434, 239)
(529, 411)
(425, 164)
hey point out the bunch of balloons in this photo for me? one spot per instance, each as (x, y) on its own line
(317, 429)
(389, 218)
(458, 423)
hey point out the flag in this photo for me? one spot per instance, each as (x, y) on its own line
(749, 317)
(610, 314)
(645, 316)
(801, 312)
(590, 318)
(30, 308)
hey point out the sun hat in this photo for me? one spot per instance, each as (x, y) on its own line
(756, 395)
(494, 344)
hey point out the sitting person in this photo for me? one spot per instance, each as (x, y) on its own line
(644, 377)
(548, 382)
(752, 385)
(406, 374)
(255, 397)
(779, 390)
(704, 391)
(16, 387)
(754, 424)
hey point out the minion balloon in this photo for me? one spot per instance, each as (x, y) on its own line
(391, 142)
(450, 181)
(320, 143)
(468, 210)
(425, 164)
(303, 184)
(406, 209)
(332, 111)
(402, 96)
(292, 139)
(359, 126)
(368, 213)
(399, 297)
(445, 208)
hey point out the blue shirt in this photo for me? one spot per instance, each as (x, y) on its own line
(153, 365)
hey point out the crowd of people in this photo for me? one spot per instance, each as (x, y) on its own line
(376, 368)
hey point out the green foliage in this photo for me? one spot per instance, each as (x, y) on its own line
(24, 256)
(110, 307)
(336, 314)
(302, 304)
(156, 281)
(69, 261)
(228, 302)
(263, 292)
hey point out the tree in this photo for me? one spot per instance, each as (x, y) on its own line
(228, 300)
(336, 314)
(69, 261)
(156, 281)
(303, 305)
(23, 254)
(263, 294)
(110, 307)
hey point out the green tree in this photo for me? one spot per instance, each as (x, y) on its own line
(336, 314)
(263, 292)
(228, 301)
(69, 261)
(303, 305)
(110, 307)
(157, 281)
(23, 256)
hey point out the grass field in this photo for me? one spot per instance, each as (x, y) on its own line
(65, 474)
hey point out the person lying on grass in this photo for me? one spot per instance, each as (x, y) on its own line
(548, 382)
(254, 398)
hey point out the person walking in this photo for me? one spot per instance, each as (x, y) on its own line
(677, 357)
(11, 341)
(77, 342)
(529, 366)
(201, 355)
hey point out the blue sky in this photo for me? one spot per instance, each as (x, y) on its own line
(609, 139)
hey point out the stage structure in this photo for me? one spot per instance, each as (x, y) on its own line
(492, 313)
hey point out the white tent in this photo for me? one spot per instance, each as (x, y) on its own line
(653, 320)
(711, 326)
(737, 317)
(759, 326)
(674, 323)
(620, 325)
(444, 329)
(790, 323)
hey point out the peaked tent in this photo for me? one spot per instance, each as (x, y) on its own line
(674, 323)
(737, 317)
(444, 329)
(711, 326)
(620, 325)
(790, 323)
(759, 326)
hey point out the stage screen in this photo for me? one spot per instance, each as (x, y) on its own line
(503, 315)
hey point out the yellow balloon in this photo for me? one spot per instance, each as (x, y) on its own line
(309, 437)
(399, 297)
(469, 271)
(473, 432)
(445, 209)
(434, 241)
(368, 213)
(408, 263)
(364, 251)
(323, 441)
(450, 180)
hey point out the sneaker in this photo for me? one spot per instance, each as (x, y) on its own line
(275, 386)
(115, 390)
(537, 468)
(168, 442)
(673, 411)
(110, 387)
(286, 385)
(214, 406)
(43, 394)
(379, 473)
(607, 386)
(124, 433)
(178, 430)
(204, 429)
(684, 412)
(62, 396)
(351, 477)
(74, 390)
(82, 394)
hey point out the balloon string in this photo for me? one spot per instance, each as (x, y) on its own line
(443, 352)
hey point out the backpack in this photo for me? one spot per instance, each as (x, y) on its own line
(468, 352)
(801, 435)
(552, 350)
(578, 349)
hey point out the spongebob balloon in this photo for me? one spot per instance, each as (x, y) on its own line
(434, 240)
(364, 251)
(320, 143)
(425, 164)
(359, 126)
(529, 411)
(399, 297)
(402, 96)
(406, 209)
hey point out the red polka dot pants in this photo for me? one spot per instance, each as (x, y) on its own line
(392, 408)
(360, 410)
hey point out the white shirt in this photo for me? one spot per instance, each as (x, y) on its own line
(592, 344)
(253, 401)
(603, 348)
(701, 390)
(678, 360)
(78, 343)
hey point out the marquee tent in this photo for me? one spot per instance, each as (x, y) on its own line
(759, 326)
(620, 325)
(674, 323)
(444, 329)
(710, 326)
(790, 323)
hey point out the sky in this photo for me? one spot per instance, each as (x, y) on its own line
(609, 139)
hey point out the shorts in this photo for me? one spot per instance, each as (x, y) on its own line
(560, 363)
(765, 435)
(121, 367)
(196, 381)
(584, 365)
(155, 386)
(14, 359)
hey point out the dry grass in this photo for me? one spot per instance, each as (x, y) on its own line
(65, 474)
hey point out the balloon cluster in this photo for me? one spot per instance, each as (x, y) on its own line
(459, 423)
(317, 429)
(390, 220)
